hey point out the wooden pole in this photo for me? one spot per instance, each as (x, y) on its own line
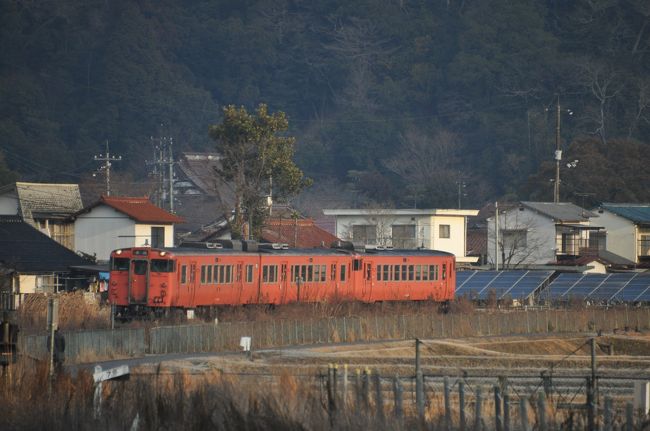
(461, 405)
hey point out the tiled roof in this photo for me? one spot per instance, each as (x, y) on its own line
(26, 249)
(561, 212)
(637, 213)
(46, 200)
(199, 168)
(298, 233)
(477, 242)
(139, 209)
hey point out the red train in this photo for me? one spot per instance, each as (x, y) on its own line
(145, 279)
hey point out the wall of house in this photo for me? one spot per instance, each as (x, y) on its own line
(456, 243)
(427, 229)
(621, 239)
(540, 238)
(8, 204)
(143, 233)
(103, 230)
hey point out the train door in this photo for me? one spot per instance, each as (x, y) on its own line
(191, 286)
(357, 287)
(367, 281)
(239, 282)
(138, 281)
(284, 283)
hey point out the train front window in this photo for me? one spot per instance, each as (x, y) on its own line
(140, 267)
(120, 264)
(162, 265)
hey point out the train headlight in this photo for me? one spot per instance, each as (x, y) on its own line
(118, 251)
(162, 253)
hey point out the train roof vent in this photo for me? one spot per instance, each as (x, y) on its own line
(279, 246)
(370, 248)
(343, 245)
(389, 247)
(213, 245)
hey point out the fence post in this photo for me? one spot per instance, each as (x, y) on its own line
(506, 412)
(419, 381)
(359, 388)
(608, 413)
(497, 409)
(379, 399)
(477, 409)
(523, 414)
(365, 385)
(331, 394)
(461, 405)
(629, 417)
(397, 396)
(541, 411)
(345, 385)
(447, 404)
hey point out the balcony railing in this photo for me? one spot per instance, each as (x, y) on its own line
(643, 249)
(571, 246)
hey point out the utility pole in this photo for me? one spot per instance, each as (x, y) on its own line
(107, 159)
(461, 185)
(558, 154)
(496, 236)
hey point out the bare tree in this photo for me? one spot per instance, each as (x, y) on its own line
(642, 88)
(604, 83)
(520, 241)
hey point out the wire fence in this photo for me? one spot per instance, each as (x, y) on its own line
(87, 346)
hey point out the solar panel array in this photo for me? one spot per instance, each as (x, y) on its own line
(514, 284)
(617, 287)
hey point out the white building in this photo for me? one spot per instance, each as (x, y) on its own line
(435, 229)
(120, 222)
(628, 230)
(539, 233)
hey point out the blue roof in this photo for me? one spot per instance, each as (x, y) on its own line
(638, 213)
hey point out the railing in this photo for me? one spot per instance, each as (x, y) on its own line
(643, 249)
(89, 346)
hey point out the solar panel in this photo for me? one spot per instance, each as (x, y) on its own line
(562, 285)
(643, 280)
(633, 289)
(613, 284)
(586, 285)
(528, 284)
(516, 284)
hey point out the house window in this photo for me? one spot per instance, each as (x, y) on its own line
(404, 236)
(644, 245)
(157, 237)
(444, 231)
(514, 238)
(364, 234)
(597, 240)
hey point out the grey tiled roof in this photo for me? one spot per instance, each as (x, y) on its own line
(560, 212)
(58, 200)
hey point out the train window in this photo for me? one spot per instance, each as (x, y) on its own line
(357, 265)
(222, 274)
(238, 272)
(183, 274)
(249, 273)
(119, 264)
(140, 267)
(322, 273)
(269, 273)
(425, 273)
(404, 272)
(228, 273)
(316, 273)
(203, 271)
(386, 272)
(333, 272)
(418, 272)
(396, 272)
(283, 274)
(444, 271)
(411, 275)
(368, 271)
(303, 273)
(343, 268)
(209, 274)
(433, 272)
(162, 265)
(378, 272)
(310, 273)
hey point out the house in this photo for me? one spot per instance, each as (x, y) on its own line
(119, 222)
(47, 207)
(436, 229)
(31, 262)
(539, 233)
(628, 230)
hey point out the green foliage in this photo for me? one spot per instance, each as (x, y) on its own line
(256, 157)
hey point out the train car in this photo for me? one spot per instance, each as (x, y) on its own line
(145, 280)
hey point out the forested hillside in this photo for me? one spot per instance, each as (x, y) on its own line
(393, 101)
